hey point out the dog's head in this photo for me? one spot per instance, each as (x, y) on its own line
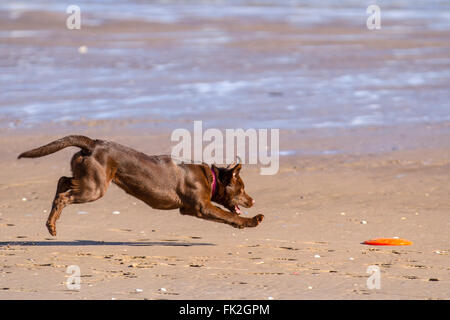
(231, 193)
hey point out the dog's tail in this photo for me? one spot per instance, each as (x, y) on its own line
(82, 142)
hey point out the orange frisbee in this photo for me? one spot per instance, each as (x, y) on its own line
(388, 242)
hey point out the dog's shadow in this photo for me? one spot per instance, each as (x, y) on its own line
(172, 243)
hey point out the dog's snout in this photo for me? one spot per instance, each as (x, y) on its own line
(250, 202)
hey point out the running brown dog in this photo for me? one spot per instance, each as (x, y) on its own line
(159, 181)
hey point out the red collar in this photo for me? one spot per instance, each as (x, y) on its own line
(214, 183)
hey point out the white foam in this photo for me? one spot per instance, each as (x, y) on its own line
(219, 88)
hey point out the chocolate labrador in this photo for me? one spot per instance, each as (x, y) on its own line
(159, 181)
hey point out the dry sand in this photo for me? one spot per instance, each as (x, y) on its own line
(308, 246)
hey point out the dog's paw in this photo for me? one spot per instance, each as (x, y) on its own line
(256, 220)
(248, 222)
(51, 229)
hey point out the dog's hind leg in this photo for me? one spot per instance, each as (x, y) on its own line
(88, 184)
(63, 197)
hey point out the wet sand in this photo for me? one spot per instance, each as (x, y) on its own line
(270, 68)
(308, 246)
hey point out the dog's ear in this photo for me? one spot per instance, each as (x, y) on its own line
(236, 169)
(215, 169)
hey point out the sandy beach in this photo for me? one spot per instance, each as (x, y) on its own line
(318, 209)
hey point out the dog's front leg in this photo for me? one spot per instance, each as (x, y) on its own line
(209, 211)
